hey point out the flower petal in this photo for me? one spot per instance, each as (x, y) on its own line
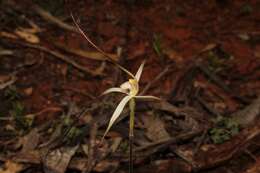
(117, 112)
(110, 90)
(139, 71)
(147, 97)
(126, 85)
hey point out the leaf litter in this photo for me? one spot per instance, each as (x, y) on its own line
(210, 51)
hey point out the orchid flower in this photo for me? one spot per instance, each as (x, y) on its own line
(131, 89)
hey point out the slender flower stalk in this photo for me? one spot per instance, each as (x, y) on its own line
(131, 133)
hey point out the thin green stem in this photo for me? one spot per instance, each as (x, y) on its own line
(131, 134)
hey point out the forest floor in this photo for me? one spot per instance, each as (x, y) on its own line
(202, 58)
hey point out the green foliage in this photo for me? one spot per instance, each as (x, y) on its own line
(217, 59)
(17, 112)
(224, 129)
(157, 44)
(246, 9)
(11, 93)
(72, 132)
(124, 146)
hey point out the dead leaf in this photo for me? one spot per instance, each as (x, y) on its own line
(249, 114)
(257, 52)
(30, 141)
(106, 165)
(8, 35)
(173, 55)
(34, 28)
(244, 37)
(11, 167)
(137, 50)
(255, 168)
(58, 160)
(27, 36)
(155, 128)
(6, 81)
(209, 47)
(116, 143)
(28, 91)
(4, 52)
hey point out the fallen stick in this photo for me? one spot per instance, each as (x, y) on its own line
(156, 79)
(93, 55)
(52, 19)
(63, 58)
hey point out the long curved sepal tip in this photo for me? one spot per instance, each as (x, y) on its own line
(110, 90)
(139, 71)
(117, 113)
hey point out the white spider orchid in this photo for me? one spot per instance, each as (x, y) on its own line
(131, 89)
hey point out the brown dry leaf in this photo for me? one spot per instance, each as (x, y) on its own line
(138, 50)
(116, 143)
(11, 167)
(257, 52)
(255, 168)
(30, 141)
(5, 52)
(6, 80)
(34, 28)
(106, 165)
(27, 36)
(173, 55)
(243, 36)
(166, 166)
(28, 91)
(155, 128)
(209, 47)
(58, 160)
(8, 35)
(249, 114)
(86, 54)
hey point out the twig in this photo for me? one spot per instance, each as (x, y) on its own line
(219, 82)
(92, 97)
(50, 18)
(63, 58)
(207, 107)
(93, 55)
(158, 77)
(91, 149)
(4, 84)
(166, 142)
